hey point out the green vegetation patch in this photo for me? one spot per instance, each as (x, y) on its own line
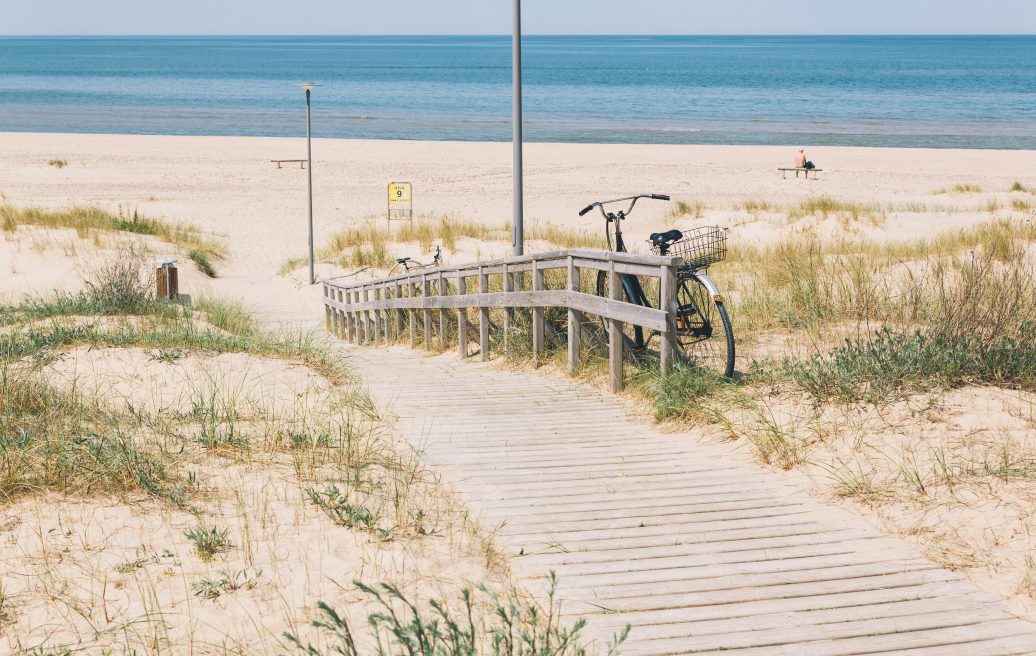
(892, 362)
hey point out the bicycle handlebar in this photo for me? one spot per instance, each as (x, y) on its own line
(601, 203)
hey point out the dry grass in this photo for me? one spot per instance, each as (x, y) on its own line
(809, 283)
(374, 244)
(230, 471)
(93, 222)
(682, 209)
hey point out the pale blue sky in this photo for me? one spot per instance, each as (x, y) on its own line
(541, 17)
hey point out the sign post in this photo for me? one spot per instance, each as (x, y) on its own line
(400, 202)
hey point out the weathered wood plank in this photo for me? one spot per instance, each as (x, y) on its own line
(643, 527)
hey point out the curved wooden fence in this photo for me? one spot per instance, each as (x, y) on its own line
(388, 309)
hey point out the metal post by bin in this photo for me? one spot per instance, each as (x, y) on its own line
(167, 283)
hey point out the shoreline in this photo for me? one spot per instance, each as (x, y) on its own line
(638, 144)
(489, 142)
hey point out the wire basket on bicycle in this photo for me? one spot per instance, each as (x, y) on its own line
(699, 247)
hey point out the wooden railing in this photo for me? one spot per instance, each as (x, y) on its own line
(384, 310)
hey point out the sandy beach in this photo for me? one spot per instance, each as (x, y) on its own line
(227, 185)
(229, 189)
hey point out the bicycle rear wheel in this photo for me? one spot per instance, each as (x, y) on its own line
(703, 331)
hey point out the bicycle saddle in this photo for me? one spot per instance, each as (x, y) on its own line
(661, 239)
(402, 260)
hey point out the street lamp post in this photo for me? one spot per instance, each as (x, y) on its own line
(516, 84)
(309, 166)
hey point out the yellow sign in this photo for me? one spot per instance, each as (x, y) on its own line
(400, 196)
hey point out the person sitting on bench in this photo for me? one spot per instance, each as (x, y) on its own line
(801, 162)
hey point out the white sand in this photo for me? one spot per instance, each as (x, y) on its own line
(228, 185)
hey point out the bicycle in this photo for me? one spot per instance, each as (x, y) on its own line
(410, 264)
(703, 332)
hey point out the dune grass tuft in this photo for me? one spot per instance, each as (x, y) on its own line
(91, 221)
(489, 626)
(58, 163)
(375, 244)
(682, 209)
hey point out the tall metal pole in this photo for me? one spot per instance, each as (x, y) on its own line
(309, 164)
(516, 83)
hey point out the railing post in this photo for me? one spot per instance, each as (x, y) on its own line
(339, 313)
(667, 287)
(400, 321)
(411, 288)
(377, 316)
(366, 318)
(574, 332)
(426, 291)
(537, 316)
(615, 341)
(508, 310)
(483, 317)
(354, 317)
(328, 318)
(462, 320)
(443, 288)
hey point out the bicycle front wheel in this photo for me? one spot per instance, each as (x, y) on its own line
(703, 331)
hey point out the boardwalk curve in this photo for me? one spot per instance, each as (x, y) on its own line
(699, 553)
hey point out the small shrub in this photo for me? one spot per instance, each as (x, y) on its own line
(58, 163)
(1018, 186)
(208, 540)
(115, 283)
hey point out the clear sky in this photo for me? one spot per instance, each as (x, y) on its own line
(540, 17)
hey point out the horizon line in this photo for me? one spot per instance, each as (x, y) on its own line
(534, 34)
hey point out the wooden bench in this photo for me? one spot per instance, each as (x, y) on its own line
(279, 162)
(784, 171)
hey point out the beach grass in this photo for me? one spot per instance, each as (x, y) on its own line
(479, 622)
(58, 163)
(93, 221)
(374, 243)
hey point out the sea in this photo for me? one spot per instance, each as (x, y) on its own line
(894, 91)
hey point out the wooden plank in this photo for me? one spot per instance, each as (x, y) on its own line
(618, 309)
(698, 551)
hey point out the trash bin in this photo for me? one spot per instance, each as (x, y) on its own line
(166, 282)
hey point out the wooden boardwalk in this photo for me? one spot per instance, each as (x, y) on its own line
(700, 552)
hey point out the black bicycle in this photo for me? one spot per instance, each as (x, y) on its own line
(703, 332)
(410, 264)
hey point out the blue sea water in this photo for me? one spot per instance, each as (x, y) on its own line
(968, 92)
